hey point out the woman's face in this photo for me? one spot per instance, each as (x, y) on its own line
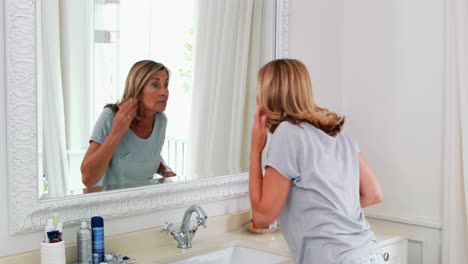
(155, 93)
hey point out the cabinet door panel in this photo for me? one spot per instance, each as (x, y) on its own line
(397, 252)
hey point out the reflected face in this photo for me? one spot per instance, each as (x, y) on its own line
(155, 93)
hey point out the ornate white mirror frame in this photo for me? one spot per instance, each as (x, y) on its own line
(28, 213)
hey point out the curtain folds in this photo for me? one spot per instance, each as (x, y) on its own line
(65, 82)
(55, 162)
(231, 45)
(76, 49)
(455, 163)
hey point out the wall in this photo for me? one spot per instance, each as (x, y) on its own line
(380, 64)
(393, 71)
(316, 37)
(392, 66)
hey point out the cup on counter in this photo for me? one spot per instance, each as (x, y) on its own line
(53, 253)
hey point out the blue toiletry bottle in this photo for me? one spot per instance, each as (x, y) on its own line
(97, 229)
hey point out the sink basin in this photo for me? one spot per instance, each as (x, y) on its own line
(233, 255)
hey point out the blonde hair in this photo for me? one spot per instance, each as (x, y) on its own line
(285, 93)
(137, 78)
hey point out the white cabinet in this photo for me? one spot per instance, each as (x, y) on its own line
(397, 252)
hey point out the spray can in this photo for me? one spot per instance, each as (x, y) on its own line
(97, 228)
(84, 241)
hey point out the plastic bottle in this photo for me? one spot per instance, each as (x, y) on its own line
(97, 227)
(84, 242)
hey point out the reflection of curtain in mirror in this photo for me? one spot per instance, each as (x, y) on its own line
(65, 81)
(233, 40)
(55, 164)
(76, 49)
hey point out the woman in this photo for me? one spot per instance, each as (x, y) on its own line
(316, 181)
(127, 139)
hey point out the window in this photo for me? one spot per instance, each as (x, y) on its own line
(126, 32)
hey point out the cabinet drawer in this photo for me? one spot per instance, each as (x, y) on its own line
(397, 252)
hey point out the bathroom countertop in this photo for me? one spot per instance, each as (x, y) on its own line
(272, 242)
(150, 246)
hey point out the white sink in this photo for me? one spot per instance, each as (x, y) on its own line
(233, 255)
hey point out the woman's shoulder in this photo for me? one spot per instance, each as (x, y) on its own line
(106, 115)
(287, 128)
(300, 127)
(107, 112)
(287, 125)
(306, 130)
(346, 137)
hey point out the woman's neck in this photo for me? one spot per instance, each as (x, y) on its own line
(142, 126)
(144, 121)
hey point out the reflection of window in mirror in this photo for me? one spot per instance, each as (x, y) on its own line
(128, 31)
(118, 34)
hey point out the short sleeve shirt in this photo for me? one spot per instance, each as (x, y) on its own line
(135, 160)
(322, 219)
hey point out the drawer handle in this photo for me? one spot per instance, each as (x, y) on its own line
(386, 256)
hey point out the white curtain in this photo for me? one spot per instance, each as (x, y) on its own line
(55, 163)
(65, 82)
(231, 44)
(76, 49)
(455, 163)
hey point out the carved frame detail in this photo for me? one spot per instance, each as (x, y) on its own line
(26, 212)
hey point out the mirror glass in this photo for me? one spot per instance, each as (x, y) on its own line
(213, 49)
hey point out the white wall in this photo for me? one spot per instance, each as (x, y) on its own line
(315, 38)
(380, 64)
(392, 94)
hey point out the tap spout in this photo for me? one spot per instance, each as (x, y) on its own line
(185, 234)
(201, 217)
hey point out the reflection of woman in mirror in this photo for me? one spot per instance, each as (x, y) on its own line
(125, 146)
(316, 180)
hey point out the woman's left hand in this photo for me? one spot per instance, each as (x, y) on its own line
(168, 173)
(259, 131)
(164, 170)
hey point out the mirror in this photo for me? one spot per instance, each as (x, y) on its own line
(213, 50)
(26, 211)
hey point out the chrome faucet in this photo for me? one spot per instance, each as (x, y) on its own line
(185, 235)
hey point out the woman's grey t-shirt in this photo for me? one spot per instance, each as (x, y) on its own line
(322, 220)
(135, 160)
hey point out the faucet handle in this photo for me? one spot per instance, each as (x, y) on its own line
(201, 221)
(167, 227)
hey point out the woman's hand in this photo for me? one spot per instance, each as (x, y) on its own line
(168, 173)
(164, 170)
(123, 118)
(259, 131)
(93, 189)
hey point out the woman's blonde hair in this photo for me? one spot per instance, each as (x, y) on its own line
(285, 93)
(137, 78)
